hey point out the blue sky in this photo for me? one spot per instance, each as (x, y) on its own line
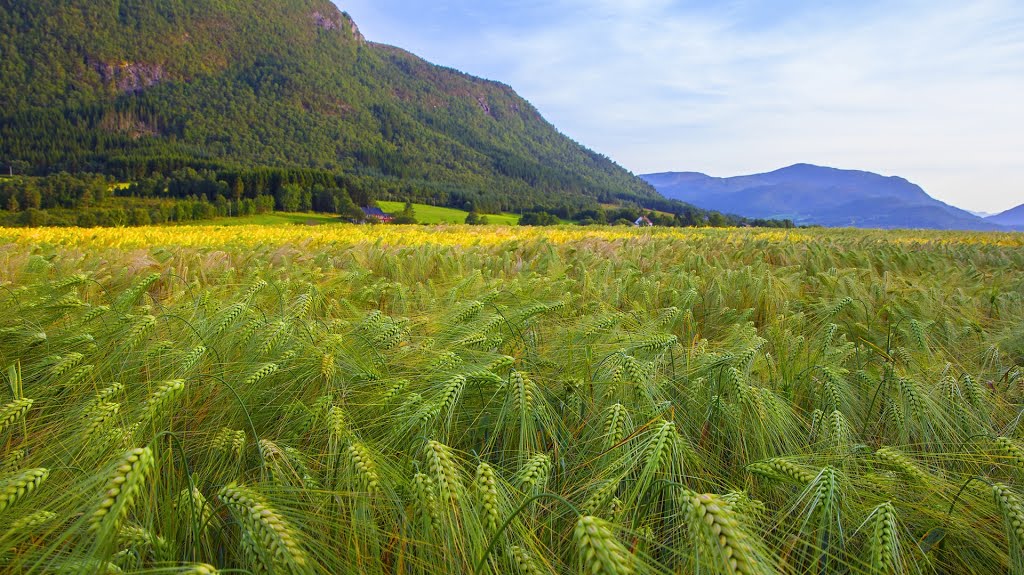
(929, 90)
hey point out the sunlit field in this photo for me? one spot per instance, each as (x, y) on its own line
(439, 215)
(416, 400)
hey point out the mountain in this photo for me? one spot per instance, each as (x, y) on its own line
(819, 195)
(1012, 218)
(135, 87)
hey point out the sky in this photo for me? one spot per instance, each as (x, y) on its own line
(930, 90)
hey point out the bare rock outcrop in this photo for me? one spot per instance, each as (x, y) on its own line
(337, 22)
(130, 76)
(324, 21)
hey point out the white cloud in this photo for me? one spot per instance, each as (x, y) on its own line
(926, 90)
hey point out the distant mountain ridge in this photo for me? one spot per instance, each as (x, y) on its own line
(1013, 217)
(819, 195)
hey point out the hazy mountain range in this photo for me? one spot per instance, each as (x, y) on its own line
(1013, 217)
(825, 196)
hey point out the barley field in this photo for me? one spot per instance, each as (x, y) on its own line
(409, 400)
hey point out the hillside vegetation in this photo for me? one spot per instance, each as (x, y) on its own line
(410, 400)
(438, 215)
(131, 88)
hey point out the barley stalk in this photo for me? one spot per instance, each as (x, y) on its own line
(901, 463)
(18, 486)
(66, 363)
(272, 534)
(93, 313)
(395, 389)
(615, 425)
(487, 488)
(442, 467)
(524, 561)
(336, 425)
(366, 469)
(600, 552)
(229, 316)
(254, 289)
(328, 367)
(501, 363)
(534, 476)
(194, 509)
(656, 344)
(78, 375)
(14, 412)
(601, 498)
(27, 524)
(192, 358)
(661, 447)
(109, 392)
(135, 536)
(139, 330)
(100, 417)
(12, 461)
(1011, 507)
(249, 331)
(451, 393)
(524, 393)
(721, 538)
(163, 396)
(426, 502)
(883, 545)
(229, 440)
(782, 470)
(199, 569)
(262, 372)
(913, 397)
(633, 370)
(1011, 452)
(122, 489)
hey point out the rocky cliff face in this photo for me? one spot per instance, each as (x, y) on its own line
(337, 20)
(324, 21)
(130, 76)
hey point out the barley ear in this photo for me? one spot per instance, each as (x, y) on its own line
(1011, 508)
(121, 490)
(14, 489)
(600, 552)
(13, 412)
(883, 547)
(274, 538)
(720, 537)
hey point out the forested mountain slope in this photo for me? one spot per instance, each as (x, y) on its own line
(133, 87)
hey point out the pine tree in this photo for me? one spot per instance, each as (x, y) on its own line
(408, 215)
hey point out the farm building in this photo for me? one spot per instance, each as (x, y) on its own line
(377, 214)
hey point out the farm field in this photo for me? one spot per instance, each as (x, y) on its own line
(399, 399)
(278, 218)
(426, 214)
